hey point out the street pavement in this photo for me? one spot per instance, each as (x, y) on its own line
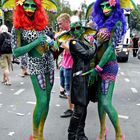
(17, 102)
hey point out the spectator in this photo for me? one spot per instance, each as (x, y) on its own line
(5, 59)
(24, 65)
(138, 53)
(135, 44)
(66, 66)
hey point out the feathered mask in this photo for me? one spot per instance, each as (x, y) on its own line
(125, 4)
(49, 5)
(75, 22)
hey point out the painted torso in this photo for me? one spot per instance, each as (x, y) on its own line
(40, 57)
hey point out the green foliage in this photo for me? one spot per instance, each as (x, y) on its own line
(61, 9)
(135, 19)
(8, 19)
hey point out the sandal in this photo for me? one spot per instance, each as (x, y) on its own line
(26, 74)
(3, 81)
(7, 83)
(22, 75)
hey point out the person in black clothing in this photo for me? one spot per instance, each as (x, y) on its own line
(135, 45)
(81, 53)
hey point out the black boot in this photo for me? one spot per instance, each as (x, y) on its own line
(75, 121)
(73, 126)
(80, 131)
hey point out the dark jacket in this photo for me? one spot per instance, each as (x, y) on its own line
(3, 36)
(81, 55)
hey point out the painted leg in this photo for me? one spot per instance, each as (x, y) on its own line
(102, 118)
(106, 101)
(42, 92)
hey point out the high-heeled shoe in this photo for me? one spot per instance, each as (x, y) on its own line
(122, 137)
(31, 137)
(105, 136)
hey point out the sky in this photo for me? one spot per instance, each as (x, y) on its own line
(76, 3)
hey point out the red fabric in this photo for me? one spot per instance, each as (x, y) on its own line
(20, 20)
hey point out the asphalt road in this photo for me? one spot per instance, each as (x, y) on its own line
(17, 103)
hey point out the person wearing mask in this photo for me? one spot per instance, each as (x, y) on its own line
(110, 22)
(31, 36)
(82, 52)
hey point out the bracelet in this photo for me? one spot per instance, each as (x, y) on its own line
(98, 68)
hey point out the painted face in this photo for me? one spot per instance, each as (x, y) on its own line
(77, 30)
(107, 9)
(29, 7)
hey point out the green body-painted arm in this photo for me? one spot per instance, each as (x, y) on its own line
(106, 56)
(21, 50)
(110, 51)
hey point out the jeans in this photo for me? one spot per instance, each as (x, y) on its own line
(65, 79)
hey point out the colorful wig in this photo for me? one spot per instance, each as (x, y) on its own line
(40, 21)
(102, 22)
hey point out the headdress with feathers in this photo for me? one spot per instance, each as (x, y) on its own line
(20, 20)
(68, 35)
(49, 5)
(125, 4)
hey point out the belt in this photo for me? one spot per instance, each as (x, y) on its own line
(77, 73)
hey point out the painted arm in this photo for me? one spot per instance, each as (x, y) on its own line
(18, 49)
(115, 37)
(25, 49)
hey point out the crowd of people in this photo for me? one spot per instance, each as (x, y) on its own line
(88, 66)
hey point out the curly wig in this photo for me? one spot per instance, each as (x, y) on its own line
(102, 22)
(40, 21)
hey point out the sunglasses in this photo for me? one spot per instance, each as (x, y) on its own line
(105, 6)
(76, 28)
(29, 5)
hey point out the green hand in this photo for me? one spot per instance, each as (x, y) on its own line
(92, 77)
(56, 45)
(88, 72)
(41, 39)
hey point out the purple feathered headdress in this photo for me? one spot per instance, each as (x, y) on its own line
(117, 15)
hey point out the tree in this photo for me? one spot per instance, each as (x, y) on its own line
(135, 19)
(62, 8)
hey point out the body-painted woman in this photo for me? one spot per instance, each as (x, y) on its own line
(31, 35)
(111, 26)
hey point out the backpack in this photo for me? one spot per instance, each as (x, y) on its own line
(6, 45)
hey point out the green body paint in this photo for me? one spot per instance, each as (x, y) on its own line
(106, 8)
(105, 54)
(29, 7)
